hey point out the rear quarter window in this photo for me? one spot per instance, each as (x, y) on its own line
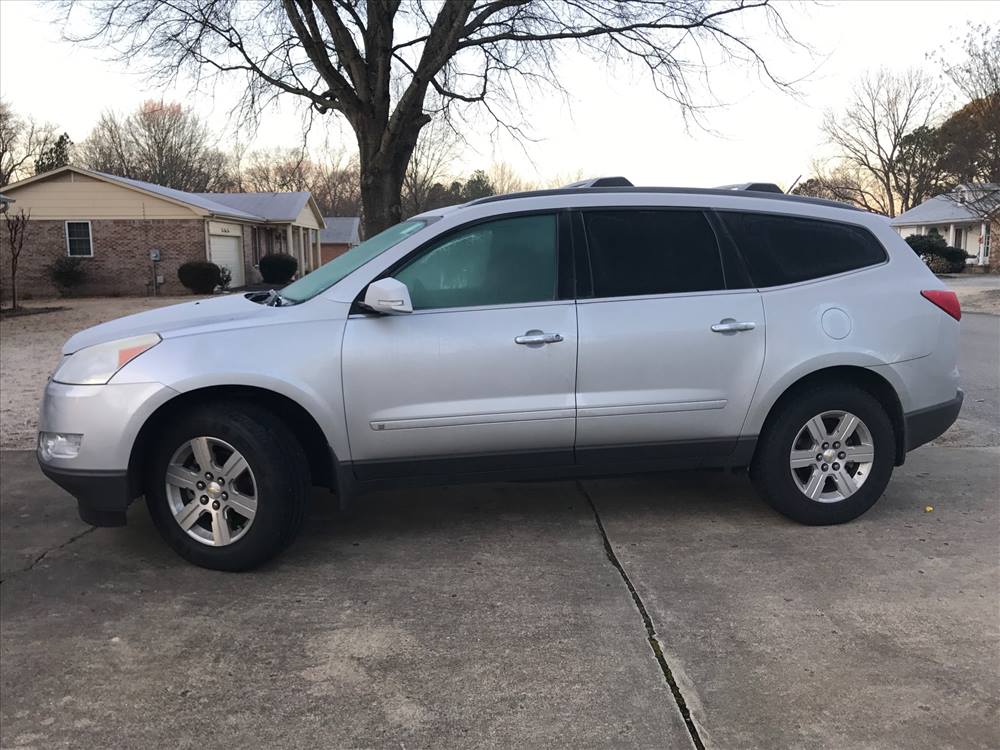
(787, 249)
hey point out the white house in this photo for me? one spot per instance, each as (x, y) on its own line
(962, 217)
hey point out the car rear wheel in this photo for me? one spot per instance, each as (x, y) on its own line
(826, 456)
(228, 486)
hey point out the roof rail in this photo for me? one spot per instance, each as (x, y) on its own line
(600, 182)
(757, 187)
(660, 191)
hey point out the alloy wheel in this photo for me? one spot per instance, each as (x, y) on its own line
(211, 491)
(832, 456)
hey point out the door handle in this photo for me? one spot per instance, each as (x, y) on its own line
(731, 325)
(537, 338)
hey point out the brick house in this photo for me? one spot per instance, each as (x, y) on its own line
(115, 225)
(339, 235)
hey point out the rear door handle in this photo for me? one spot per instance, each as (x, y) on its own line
(731, 325)
(537, 338)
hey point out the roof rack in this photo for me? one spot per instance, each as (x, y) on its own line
(600, 182)
(767, 195)
(757, 187)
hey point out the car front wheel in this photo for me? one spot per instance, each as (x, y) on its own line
(228, 486)
(827, 455)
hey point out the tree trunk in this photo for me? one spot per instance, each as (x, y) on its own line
(380, 198)
(13, 281)
(384, 152)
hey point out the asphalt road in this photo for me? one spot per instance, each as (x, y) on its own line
(979, 365)
(527, 615)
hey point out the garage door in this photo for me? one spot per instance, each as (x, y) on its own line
(225, 251)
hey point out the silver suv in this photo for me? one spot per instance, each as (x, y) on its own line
(562, 333)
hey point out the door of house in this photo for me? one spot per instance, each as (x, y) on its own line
(225, 251)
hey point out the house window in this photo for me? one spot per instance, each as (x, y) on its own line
(78, 239)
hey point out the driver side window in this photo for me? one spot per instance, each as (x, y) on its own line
(502, 262)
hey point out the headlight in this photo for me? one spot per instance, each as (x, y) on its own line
(97, 364)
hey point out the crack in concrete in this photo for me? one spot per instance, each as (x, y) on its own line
(654, 642)
(50, 549)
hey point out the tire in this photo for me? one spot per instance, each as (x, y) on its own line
(269, 493)
(785, 488)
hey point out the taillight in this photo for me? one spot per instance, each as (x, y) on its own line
(947, 301)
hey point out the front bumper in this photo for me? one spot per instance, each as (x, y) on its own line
(109, 417)
(101, 496)
(924, 425)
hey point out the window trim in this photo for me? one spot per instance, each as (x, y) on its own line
(563, 245)
(591, 296)
(90, 237)
(886, 257)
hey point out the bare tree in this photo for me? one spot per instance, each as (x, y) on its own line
(161, 142)
(977, 74)
(22, 140)
(17, 229)
(337, 183)
(431, 162)
(278, 170)
(506, 180)
(377, 62)
(876, 167)
(332, 178)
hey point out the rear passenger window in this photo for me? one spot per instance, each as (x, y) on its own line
(634, 252)
(785, 249)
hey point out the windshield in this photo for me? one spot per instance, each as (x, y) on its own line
(329, 274)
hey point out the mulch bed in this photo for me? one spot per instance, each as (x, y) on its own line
(8, 313)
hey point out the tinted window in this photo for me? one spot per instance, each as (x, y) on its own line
(652, 252)
(786, 249)
(495, 263)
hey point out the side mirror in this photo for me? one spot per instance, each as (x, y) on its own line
(388, 296)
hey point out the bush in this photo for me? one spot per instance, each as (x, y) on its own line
(936, 253)
(953, 258)
(200, 276)
(926, 244)
(67, 273)
(278, 268)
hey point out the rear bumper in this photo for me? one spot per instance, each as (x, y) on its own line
(924, 425)
(101, 496)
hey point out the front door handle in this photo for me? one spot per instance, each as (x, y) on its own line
(731, 325)
(537, 338)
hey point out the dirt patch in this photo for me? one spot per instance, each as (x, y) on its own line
(980, 300)
(29, 352)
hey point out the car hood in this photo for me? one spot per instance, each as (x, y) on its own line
(176, 320)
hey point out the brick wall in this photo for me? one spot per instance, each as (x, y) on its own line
(330, 250)
(120, 265)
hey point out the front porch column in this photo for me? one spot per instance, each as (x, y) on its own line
(984, 243)
(306, 256)
(290, 247)
(318, 250)
(951, 235)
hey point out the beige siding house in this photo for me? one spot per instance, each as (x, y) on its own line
(132, 236)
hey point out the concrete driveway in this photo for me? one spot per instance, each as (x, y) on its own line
(658, 611)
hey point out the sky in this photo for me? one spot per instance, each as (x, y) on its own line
(611, 121)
